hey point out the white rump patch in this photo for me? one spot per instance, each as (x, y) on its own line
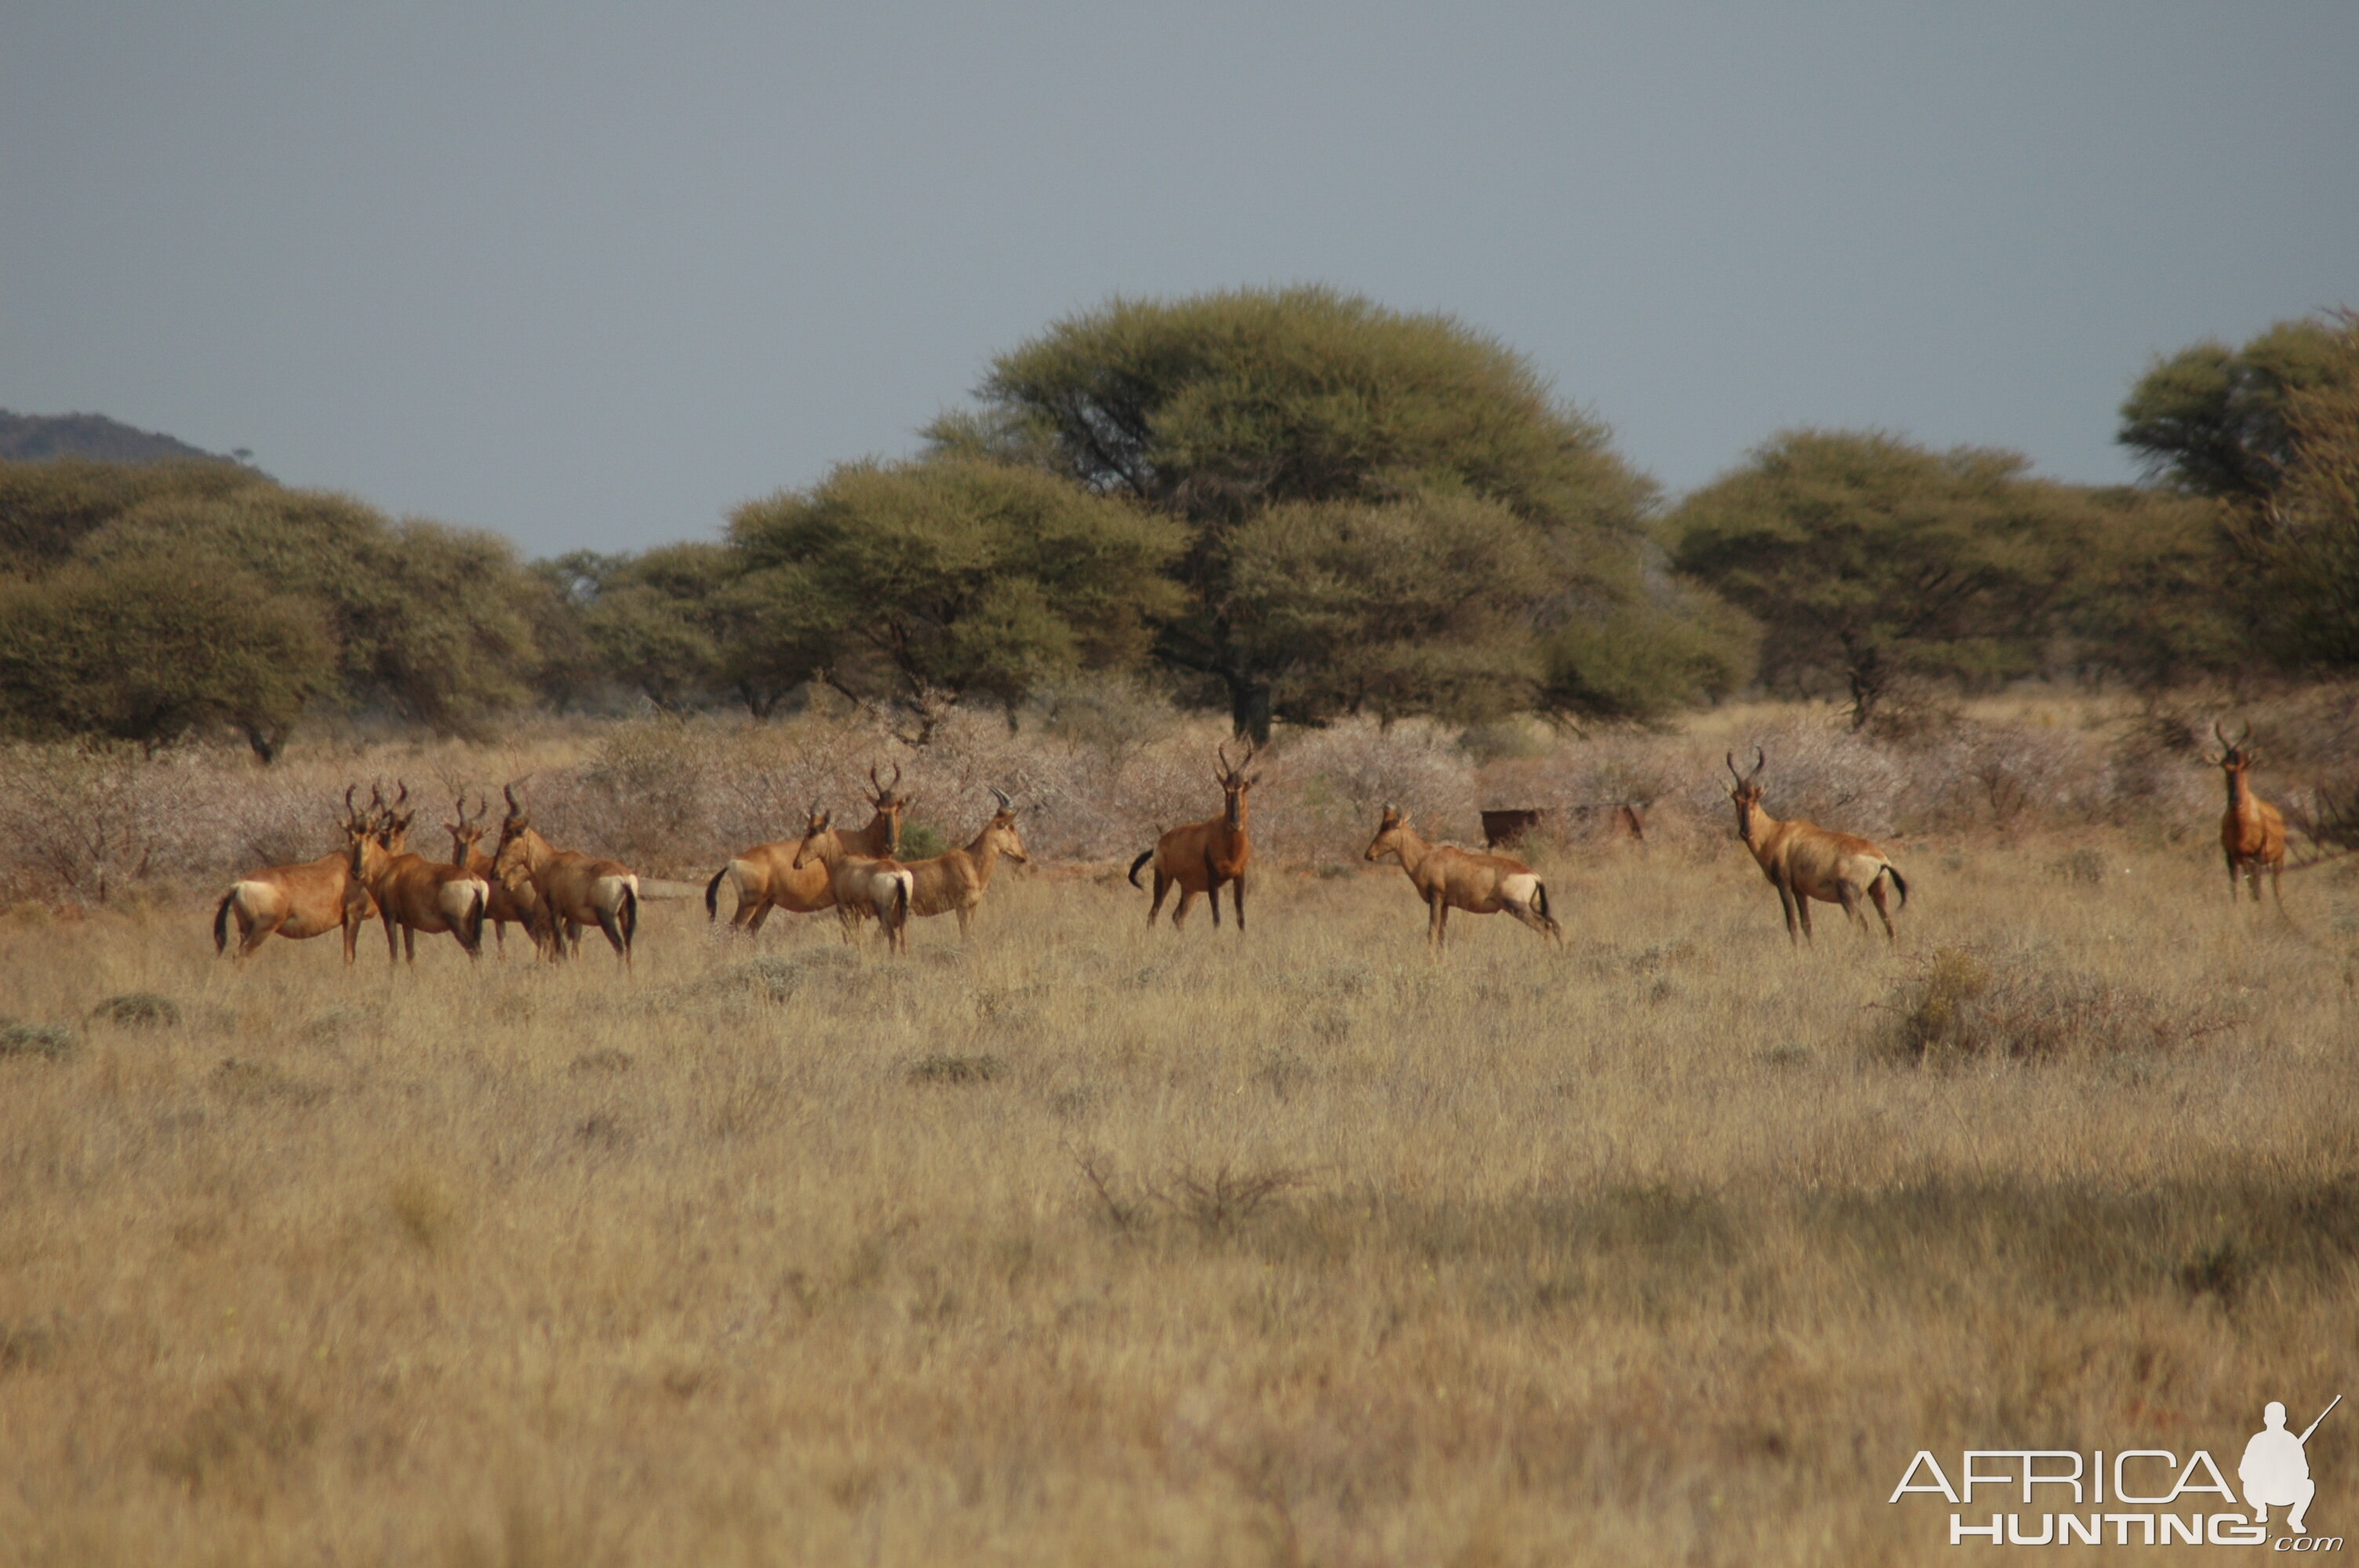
(460, 897)
(1520, 888)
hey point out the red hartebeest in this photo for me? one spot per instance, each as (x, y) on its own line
(413, 894)
(1804, 861)
(1201, 855)
(308, 899)
(574, 890)
(764, 877)
(954, 882)
(505, 909)
(1447, 878)
(2252, 833)
(864, 884)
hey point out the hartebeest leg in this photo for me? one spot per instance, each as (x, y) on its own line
(1786, 898)
(614, 930)
(392, 939)
(1438, 912)
(1179, 910)
(1238, 897)
(1162, 886)
(1883, 908)
(2277, 885)
(2235, 877)
(409, 944)
(261, 931)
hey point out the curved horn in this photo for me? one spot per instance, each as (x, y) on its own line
(1760, 760)
(351, 812)
(2225, 744)
(516, 807)
(1221, 752)
(2247, 734)
(1000, 795)
(403, 798)
(896, 777)
(872, 779)
(1729, 758)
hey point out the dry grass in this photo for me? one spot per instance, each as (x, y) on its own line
(1083, 1245)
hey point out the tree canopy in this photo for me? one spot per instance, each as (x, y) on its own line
(1302, 433)
(1868, 559)
(913, 582)
(2211, 420)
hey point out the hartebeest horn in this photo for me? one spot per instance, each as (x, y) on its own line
(1001, 796)
(1729, 758)
(1760, 760)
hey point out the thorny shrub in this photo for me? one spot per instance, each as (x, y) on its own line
(2013, 1003)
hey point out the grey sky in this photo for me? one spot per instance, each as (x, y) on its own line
(591, 273)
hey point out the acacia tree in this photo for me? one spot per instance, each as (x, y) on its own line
(1870, 559)
(917, 583)
(1224, 410)
(2211, 420)
(2309, 550)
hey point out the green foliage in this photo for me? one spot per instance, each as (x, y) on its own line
(1226, 410)
(2307, 545)
(907, 582)
(659, 622)
(1869, 560)
(1652, 654)
(430, 622)
(148, 649)
(2155, 593)
(2212, 419)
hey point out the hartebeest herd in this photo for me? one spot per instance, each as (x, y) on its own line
(556, 893)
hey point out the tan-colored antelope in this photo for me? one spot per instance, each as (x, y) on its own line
(1201, 855)
(1447, 878)
(505, 908)
(954, 883)
(299, 902)
(865, 884)
(1804, 861)
(763, 878)
(2252, 833)
(415, 894)
(572, 890)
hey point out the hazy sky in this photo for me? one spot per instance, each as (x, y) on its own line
(592, 274)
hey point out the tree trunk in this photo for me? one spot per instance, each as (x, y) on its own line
(1249, 709)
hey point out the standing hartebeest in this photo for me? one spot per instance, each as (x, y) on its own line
(864, 884)
(954, 882)
(1447, 878)
(574, 890)
(1803, 861)
(413, 894)
(308, 899)
(2252, 833)
(505, 908)
(764, 877)
(1201, 855)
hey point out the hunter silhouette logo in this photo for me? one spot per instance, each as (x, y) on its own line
(2135, 1497)
(2276, 1470)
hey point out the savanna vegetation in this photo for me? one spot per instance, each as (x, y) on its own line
(1289, 505)
(1079, 1242)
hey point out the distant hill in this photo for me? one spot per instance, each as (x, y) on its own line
(25, 437)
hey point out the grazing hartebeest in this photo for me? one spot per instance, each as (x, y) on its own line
(308, 899)
(1201, 855)
(504, 908)
(954, 882)
(413, 894)
(764, 877)
(574, 890)
(1447, 878)
(1803, 861)
(864, 884)
(2252, 833)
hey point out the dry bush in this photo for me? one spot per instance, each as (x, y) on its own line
(2015, 1002)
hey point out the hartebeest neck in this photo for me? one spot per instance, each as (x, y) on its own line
(1412, 849)
(1759, 831)
(2240, 795)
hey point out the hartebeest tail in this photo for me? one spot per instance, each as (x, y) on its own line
(1144, 856)
(1447, 876)
(2252, 831)
(1804, 861)
(1197, 859)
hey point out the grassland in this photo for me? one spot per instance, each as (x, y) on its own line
(1081, 1244)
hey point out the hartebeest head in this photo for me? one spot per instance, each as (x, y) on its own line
(1388, 833)
(1001, 829)
(1234, 782)
(467, 832)
(889, 805)
(817, 828)
(1747, 793)
(2235, 757)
